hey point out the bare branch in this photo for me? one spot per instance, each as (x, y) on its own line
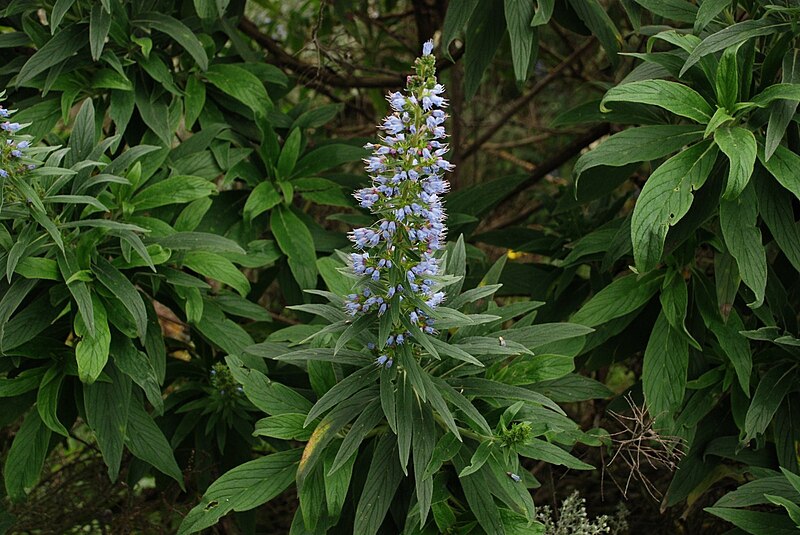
(524, 100)
(316, 75)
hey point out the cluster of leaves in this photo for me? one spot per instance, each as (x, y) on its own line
(460, 408)
(122, 253)
(136, 253)
(710, 309)
(138, 257)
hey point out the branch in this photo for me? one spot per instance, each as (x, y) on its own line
(523, 100)
(545, 168)
(320, 75)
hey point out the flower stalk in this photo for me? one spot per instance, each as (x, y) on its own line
(396, 255)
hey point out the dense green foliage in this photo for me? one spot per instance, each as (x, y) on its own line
(174, 257)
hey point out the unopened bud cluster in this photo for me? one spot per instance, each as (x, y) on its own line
(396, 254)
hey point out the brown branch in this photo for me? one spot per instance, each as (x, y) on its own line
(320, 75)
(524, 100)
(571, 150)
(507, 156)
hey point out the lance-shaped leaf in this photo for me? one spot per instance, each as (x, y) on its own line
(665, 199)
(674, 97)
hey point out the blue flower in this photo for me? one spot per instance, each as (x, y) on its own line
(407, 169)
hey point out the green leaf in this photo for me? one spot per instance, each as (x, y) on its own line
(148, 443)
(136, 365)
(60, 9)
(33, 267)
(383, 478)
(363, 425)
(544, 11)
(550, 453)
(404, 403)
(791, 508)
(245, 487)
(783, 166)
(194, 101)
(794, 480)
(752, 493)
(732, 35)
(665, 199)
(26, 456)
(491, 389)
(535, 368)
(124, 290)
(672, 96)
(776, 210)
(771, 390)
(458, 13)
(335, 281)
(337, 483)
(535, 336)
(99, 24)
(738, 220)
(623, 296)
(317, 117)
(295, 240)
(735, 347)
(675, 301)
(287, 426)
(63, 45)
(344, 389)
(727, 80)
(471, 415)
(289, 152)
(107, 415)
(485, 31)
(422, 445)
(242, 85)
(679, 10)
(518, 17)
(719, 118)
(200, 241)
(571, 388)
(665, 368)
(479, 458)
(269, 396)
(47, 400)
(217, 267)
(708, 10)
(595, 17)
(739, 145)
(263, 197)
(173, 190)
(755, 522)
(91, 351)
(781, 112)
(155, 115)
(327, 157)
(178, 31)
(446, 448)
(638, 144)
(450, 350)
(481, 502)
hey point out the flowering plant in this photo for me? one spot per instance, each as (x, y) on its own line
(398, 265)
(415, 380)
(13, 148)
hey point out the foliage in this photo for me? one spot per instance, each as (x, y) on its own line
(411, 391)
(177, 275)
